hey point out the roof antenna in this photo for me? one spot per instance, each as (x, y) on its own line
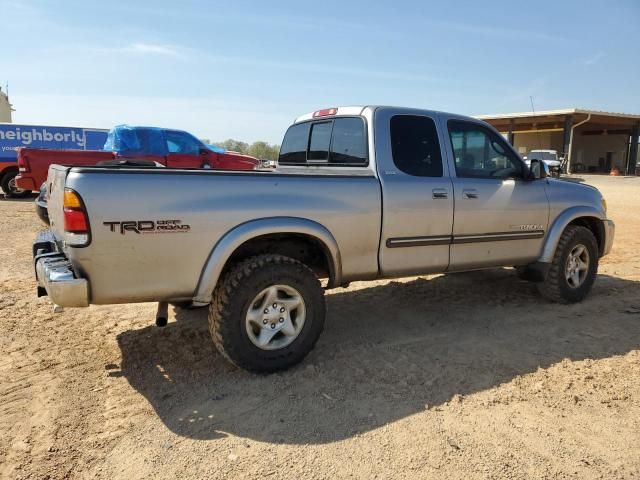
(537, 131)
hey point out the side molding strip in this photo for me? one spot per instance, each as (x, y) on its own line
(446, 240)
(417, 241)
(499, 236)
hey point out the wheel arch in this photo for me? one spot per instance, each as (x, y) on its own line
(275, 235)
(585, 216)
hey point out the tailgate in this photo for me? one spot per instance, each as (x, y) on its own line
(34, 163)
(55, 273)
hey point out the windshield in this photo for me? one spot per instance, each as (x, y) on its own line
(538, 155)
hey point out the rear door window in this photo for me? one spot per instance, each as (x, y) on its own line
(415, 146)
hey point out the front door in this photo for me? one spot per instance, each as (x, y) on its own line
(417, 195)
(184, 151)
(500, 217)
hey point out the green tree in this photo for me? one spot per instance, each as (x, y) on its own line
(263, 151)
(233, 145)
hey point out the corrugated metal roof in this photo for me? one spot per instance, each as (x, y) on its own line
(565, 111)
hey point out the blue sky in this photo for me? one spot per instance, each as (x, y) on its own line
(244, 69)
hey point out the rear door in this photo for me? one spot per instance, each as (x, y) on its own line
(417, 212)
(500, 218)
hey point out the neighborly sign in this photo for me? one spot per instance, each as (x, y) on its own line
(14, 136)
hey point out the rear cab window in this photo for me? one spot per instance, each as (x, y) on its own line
(339, 141)
(293, 150)
(320, 142)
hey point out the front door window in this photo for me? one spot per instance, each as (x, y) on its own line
(480, 153)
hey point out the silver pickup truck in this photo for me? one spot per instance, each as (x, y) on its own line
(360, 193)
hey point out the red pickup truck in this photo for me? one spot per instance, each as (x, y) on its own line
(171, 148)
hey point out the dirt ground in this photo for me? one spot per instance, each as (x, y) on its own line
(458, 376)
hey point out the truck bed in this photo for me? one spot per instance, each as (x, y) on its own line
(207, 204)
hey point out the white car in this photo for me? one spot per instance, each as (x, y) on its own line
(550, 157)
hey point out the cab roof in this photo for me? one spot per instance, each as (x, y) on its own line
(331, 112)
(356, 110)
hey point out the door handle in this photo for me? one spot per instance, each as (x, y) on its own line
(470, 193)
(439, 193)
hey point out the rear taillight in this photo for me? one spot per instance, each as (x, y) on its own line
(23, 165)
(76, 222)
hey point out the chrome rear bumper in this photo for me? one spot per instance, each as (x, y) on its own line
(55, 276)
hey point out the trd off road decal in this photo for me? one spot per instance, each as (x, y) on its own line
(148, 226)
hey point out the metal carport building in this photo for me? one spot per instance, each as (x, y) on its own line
(592, 141)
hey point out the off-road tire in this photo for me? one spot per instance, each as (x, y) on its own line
(555, 287)
(8, 192)
(232, 298)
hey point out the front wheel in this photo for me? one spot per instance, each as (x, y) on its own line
(267, 313)
(574, 266)
(9, 187)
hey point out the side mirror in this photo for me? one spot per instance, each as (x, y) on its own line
(203, 151)
(539, 169)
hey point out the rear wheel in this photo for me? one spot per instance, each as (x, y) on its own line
(10, 188)
(267, 313)
(574, 266)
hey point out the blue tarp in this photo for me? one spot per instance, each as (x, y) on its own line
(128, 140)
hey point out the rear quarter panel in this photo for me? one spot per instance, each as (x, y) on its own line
(130, 267)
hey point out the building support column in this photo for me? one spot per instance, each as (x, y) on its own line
(633, 150)
(566, 138)
(510, 136)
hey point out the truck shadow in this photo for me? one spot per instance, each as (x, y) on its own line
(386, 352)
